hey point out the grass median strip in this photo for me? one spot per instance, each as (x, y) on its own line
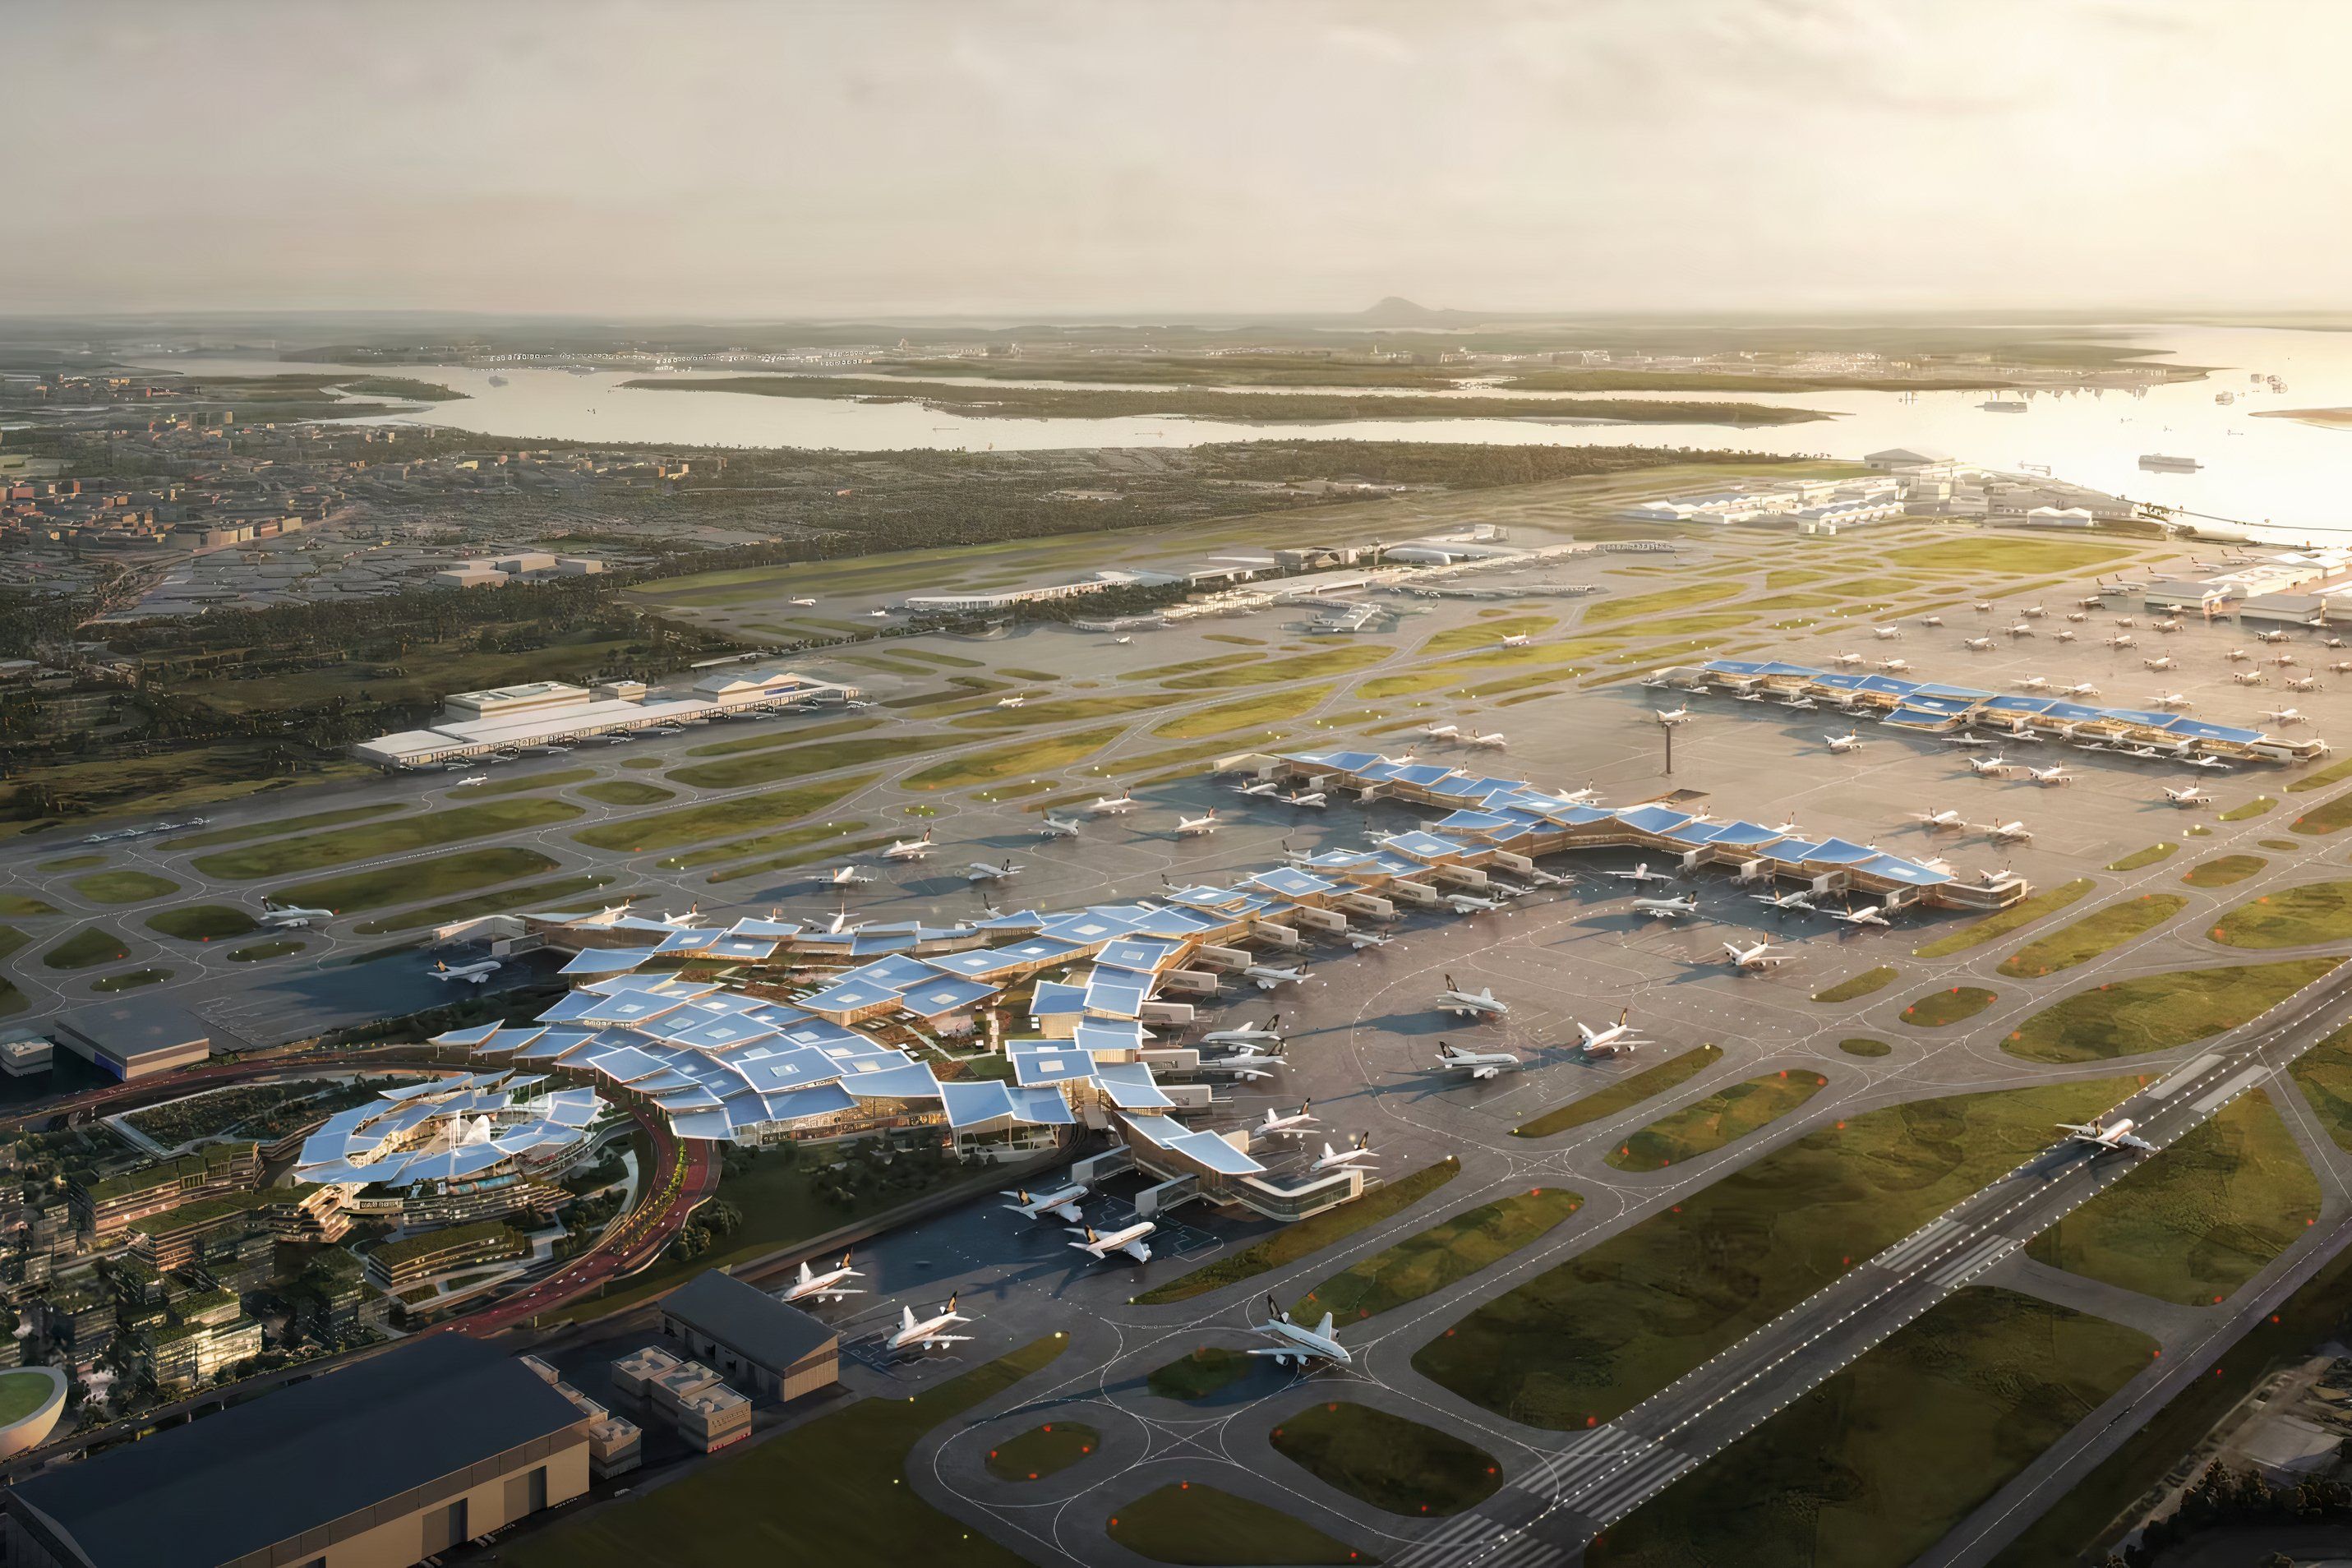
(789, 763)
(202, 922)
(2332, 815)
(718, 819)
(2223, 869)
(1238, 672)
(2049, 901)
(1450, 1250)
(318, 851)
(1622, 1095)
(1042, 1451)
(279, 826)
(123, 887)
(627, 791)
(1855, 987)
(771, 739)
(1288, 1244)
(1387, 1461)
(2103, 931)
(1727, 1115)
(89, 946)
(2139, 859)
(1013, 759)
(1195, 1523)
(2157, 1012)
(546, 895)
(2292, 917)
(1224, 718)
(405, 884)
(1589, 1339)
(516, 783)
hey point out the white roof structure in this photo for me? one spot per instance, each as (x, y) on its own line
(476, 1127)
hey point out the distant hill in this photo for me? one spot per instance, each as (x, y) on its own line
(1393, 311)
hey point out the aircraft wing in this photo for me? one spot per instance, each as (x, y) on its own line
(1136, 1250)
(1068, 1212)
(2133, 1141)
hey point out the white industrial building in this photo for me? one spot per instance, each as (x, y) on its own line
(553, 713)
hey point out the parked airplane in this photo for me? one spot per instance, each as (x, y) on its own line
(1197, 826)
(1639, 874)
(1294, 1125)
(2237, 656)
(2032, 683)
(2107, 1139)
(1314, 799)
(2062, 634)
(1062, 1203)
(287, 915)
(2033, 613)
(930, 1331)
(1471, 904)
(1969, 739)
(2271, 636)
(1849, 741)
(1675, 715)
(2009, 831)
(825, 1286)
(1258, 787)
(842, 922)
(2080, 689)
(2121, 639)
(1477, 1064)
(1114, 804)
(909, 849)
(2193, 795)
(1886, 634)
(1938, 818)
(1992, 764)
(2077, 616)
(1129, 1241)
(1361, 940)
(2019, 630)
(2055, 774)
(1668, 908)
(472, 779)
(1802, 901)
(1013, 701)
(1868, 915)
(1298, 1345)
(2303, 683)
(1760, 956)
(851, 877)
(2282, 660)
(1478, 1003)
(982, 871)
(2250, 678)
(1268, 978)
(1931, 620)
(1617, 1036)
(1054, 827)
(2170, 700)
(1344, 1159)
(2162, 661)
(1246, 1034)
(1440, 731)
(805, 603)
(1493, 740)
(2212, 764)
(1516, 639)
(1845, 659)
(2284, 716)
(1896, 665)
(474, 973)
(879, 614)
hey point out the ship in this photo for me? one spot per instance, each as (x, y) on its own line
(2003, 405)
(2158, 463)
(2225, 397)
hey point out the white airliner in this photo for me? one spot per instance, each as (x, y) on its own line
(842, 923)
(1939, 818)
(1257, 786)
(1197, 826)
(1995, 764)
(879, 615)
(1440, 731)
(1247, 1034)
(1969, 738)
(1516, 639)
(2020, 630)
(929, 1333)
(805, 603)
(2270, 636)
(2162, 661)
(1868, 915)
(1113, 805)
(1896, 665)
(1344, 1159)
(2303, 683)
(2284, 660)
(1847, 659)
(2170, 623)
(2237, 656)
(2284, 716)
(2107, 1138)
(982, 871)
(2055, 774)
(1312, 799)
(2062, 634)
(1849, 741)
(909, 849)
(1268, 978)
(2193, 795)
(2170, 700)
(1617, 1036)
(1977, 645)
(2032, 683)
(825, 1286)
(2077, 616)
(1297, 1345)
(1013, 701)
(1931, 620)
(1477, 1064)
(473, 974)
(1674, 716)
(1492, 741)
(1668, 908)
(2080, 689)
(2250, 678)
(1361, 940)
(2008, 832)
(472, 779)
(1639, 874)
(1054, 827)
(1294, 1125)
(1478, 1003)
(2213, 764)
(1760, 956)
(1802, 901)
(2341, 667)
(1886, 634)
(2121, 639)
(1062, 1203)
(1471, 904)
(287, 915)
(851, 877)
(1129, 1241)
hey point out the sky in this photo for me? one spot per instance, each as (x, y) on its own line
(1057, 157)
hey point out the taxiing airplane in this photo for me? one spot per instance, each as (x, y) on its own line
(825, 1286)
(1516, 639)
(472, 974)
(851, 877)
(1013, 701)
(1493, 740)
(287, 915)
(1618, 1037)
(1668, 908)
(1054, 827)
(2237, 656)
(1344, 1159)
(1477, 1064)
(2170, 700)
(1197, 826)
(2107, 1138)
(472, 779)
(2212, 764)
(1969, 738)
(1938, 818)
(930, 1332)
(1868, 915)
(2162, 661)
(1802, 901)
(1846, 660)
(2271, 636)
(1268, 978)
(1440, 731)
(1294, 1125)
(2019, 630)
(1129, 1241)
(1977, 645)
(2055, 774)
(1675, 715)
(1896, 665)
(2008, 832)
(2080, 689)
(1849, 741)
(2062, 634)
(2193, 795)
(1478, 1003)
(909, 849)
(1062, 1203)
(1760, 956)
(1995, 764)
(805, 603)
(982, 871)
(1639, 874)
(1886, 634)
(1114, 804)
(1296, 1345)
(2284, 716)
(2032, 683)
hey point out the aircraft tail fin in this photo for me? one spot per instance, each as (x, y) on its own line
(1323, 1329)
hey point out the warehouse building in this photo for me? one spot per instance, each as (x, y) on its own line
(541, 713)
(134, 1039)
(754, 1339)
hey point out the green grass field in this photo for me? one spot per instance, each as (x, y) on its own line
(2222, 870)
(1250, 712)
(11, 938)
(1865, 1048)
(2192, 1223)
(1042, 1451)
(1452, 1249)
(21, 1394)
(556, 893)
(1066, 710)
(202, 922)
(2138, 859)
(2331, 815)
(2325, 1075)
(278, 826)
(2128, 1017)
(717, 819)
(1879, 1463)
(1200, 1374)
(1623, 1094)
(1727, 1115)
(123, 887)
(318, 851)
(21, 906)
(1199, 1525)
(2103, 931)
(1856, 986)
(627, 791)
(1596, 1335)
(89, 945)
(2334, 772)
(1941, 1009)
(2048, 902)
(2020, 557)
(261, 951)
(2292, 917)
(520, 784)
(789, 763)
(1386, 1460)
(724, 1511)
(1645, 608)
(2252, 809)
(1289, 1243)
(1487, 633)
(1240, 671)
(130, 980)
(437, 878)
(1013, 759)
(770, 739)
